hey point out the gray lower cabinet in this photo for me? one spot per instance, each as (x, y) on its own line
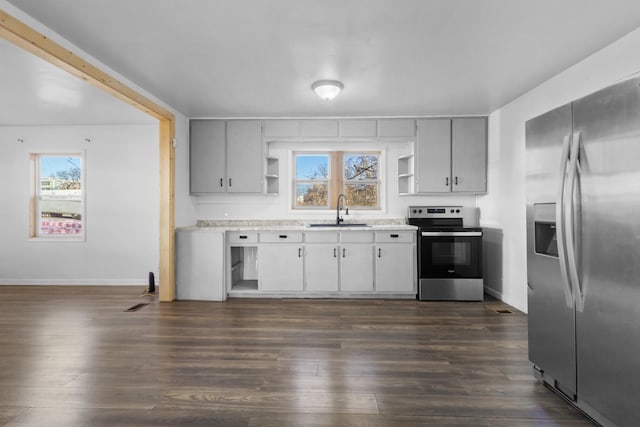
(200, 265)
(328, 263)
(225, 156)
(356, 267)
(395, 268)
(321, 267)
(395, 261)
(280, 267)
(451, 155)
(281, 262)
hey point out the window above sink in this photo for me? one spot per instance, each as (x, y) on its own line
(319, 175)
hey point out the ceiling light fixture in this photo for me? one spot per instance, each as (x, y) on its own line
(327, 89)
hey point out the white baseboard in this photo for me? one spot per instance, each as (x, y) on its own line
(75, 282)
(497, 295)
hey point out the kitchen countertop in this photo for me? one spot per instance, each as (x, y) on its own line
(297, 225)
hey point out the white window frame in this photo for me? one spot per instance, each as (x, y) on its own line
(377, 181)
(36, 198)
(332, 182)
(296, 181)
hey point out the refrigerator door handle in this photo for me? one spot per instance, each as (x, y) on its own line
(569, 217)
(560, 222)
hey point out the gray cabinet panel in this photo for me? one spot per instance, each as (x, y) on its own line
(358, 128)
(319, 128)
(207, 156)
(395, 267)
(244, 156)
(321, 267)
(281, 128)
(433, 156)
(200, 265)
(396, 127)
(469, 155)
(280, 267)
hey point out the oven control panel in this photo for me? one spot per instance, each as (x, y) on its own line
(435, 212)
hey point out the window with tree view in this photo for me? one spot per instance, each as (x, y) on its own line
(320, 177)
(57, 209)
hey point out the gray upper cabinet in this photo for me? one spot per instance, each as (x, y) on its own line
(319, 128)
(433, 156)
(396, 127)
(225, 156)
(451, 155)
(358, 128)
(342, 128)
(469, 155)
(244, 156)
(281, 128)
(207, 153)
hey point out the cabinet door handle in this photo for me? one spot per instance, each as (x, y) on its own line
(299, 252)
(335, 252)
(282, 236)
(243, 237)
(344, 253)
(379, 253)
(456, 181)
(446, 181)
(394, 236)
(229, 182)
(221, 182)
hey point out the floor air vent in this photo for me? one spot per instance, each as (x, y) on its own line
(499, 308)
(137, 306)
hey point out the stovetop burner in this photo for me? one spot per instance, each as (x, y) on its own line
(449, 218)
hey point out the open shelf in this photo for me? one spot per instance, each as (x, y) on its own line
(272, 177)
(405, 174)
(244, 268)
(245, 285)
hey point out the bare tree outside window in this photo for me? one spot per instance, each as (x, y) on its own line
(357, 176)
(312, 180)
(361, 179)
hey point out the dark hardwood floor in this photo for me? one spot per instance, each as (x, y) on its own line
(71, 356)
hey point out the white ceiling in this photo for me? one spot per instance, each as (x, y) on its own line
(35, 92)
(249, 58)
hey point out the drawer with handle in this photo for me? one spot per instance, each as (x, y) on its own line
(243, 237)
(281, 237)
(395, 236)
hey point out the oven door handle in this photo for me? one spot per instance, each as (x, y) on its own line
(451, 233)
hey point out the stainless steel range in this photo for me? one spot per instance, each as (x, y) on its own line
(449, 254)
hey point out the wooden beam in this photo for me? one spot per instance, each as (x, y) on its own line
(167, 203)
(33, 41)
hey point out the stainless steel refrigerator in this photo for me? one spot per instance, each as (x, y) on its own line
(583, 251)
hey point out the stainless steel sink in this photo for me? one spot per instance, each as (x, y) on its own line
(338, 225)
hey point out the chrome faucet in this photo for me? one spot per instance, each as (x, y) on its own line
(346, 208)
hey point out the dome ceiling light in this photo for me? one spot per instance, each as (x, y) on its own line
(327, 89)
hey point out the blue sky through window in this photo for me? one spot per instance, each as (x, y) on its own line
(308, 166)
(49, 165)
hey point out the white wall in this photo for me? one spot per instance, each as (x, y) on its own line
(121, 206)
(503, 208)
(185, 211)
